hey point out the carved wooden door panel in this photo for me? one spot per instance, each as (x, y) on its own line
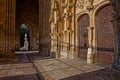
(105, 35)
(83, 23)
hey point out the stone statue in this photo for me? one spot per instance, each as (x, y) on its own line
(25, 47)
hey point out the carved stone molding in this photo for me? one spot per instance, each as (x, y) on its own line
(89, 8)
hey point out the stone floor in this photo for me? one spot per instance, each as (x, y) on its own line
(74, 69)
(32, 67)
(20, 68)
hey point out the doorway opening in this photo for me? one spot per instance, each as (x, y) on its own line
(24, 37)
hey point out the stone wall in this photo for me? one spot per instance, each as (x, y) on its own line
(44, 27)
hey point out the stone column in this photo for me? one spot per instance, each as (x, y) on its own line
(90, 30)
(70, 31)
(116, 63)
(7, 28)
(70, 46)
(52, 36)
(90, 49)
(58, 55)
(52, 42)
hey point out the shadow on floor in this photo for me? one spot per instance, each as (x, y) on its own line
(22, 77)
(103, 74)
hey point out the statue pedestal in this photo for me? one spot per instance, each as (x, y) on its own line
(25, 43)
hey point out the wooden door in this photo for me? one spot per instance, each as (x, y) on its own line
(83, 23)
(105, 35)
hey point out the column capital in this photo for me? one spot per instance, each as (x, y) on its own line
(90, 28)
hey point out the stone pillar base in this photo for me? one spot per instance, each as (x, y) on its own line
(90, 59)
(70, 55)
(58, 54)
(52, 54)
